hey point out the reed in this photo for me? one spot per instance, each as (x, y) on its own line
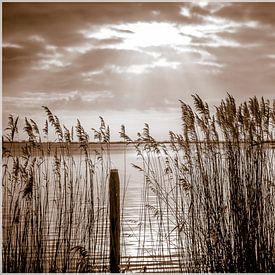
(207, 195)
(55, 210)
(211, 190)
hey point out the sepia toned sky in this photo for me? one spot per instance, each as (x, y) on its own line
(131, 62)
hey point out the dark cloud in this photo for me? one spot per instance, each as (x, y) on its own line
(59, 23)
(243, 12)
(18, 60)
(249, 36)
(71, 77)
(112, 41)
(247, 72)
(122, 30)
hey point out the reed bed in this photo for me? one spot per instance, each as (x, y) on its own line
(211, 189)
(207, 200)
(55, 206)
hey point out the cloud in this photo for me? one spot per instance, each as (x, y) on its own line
(67, 18)
(144, 68)
(263, 13)
(140, 34)
(254, 36)
(11, 45)
(57, 100)
(134, 56)
(17, 60)
(50, 61)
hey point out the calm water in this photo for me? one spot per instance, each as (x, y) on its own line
(142, 229)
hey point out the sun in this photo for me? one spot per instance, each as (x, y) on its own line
(141, 35)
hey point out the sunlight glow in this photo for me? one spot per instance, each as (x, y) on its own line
(141, 35)
(155, 34)
(185, 12)
(144, 68)
(202, 4)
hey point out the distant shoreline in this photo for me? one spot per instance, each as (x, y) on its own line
(17, 145)
(121, 142)
(114, 144)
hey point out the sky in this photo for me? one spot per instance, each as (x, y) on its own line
(131, 62)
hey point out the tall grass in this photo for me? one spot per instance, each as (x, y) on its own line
(207, 194)
(55, 209)
(211, 190)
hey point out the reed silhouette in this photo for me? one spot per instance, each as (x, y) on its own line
(207, 194)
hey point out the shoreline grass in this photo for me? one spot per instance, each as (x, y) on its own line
(214, 186)
(207, 193)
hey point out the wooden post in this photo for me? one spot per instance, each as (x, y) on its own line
(114, 199)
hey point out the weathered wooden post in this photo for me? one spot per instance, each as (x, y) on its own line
(114, 199)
